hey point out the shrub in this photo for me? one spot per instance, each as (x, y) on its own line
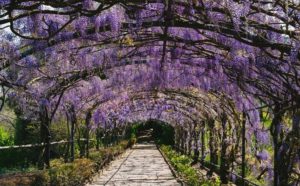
(18, 157)
(36, 178)
(26, 132)
(5, 138)
(65, 174)
(70, 174)
(98, 157)
(42, 178)
(182, 165)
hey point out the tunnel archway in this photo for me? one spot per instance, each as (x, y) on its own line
(229, 68)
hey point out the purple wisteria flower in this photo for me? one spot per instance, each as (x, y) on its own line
(263, 155)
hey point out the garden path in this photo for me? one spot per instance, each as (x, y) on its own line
(143, 165)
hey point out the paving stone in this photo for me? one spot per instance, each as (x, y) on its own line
(142, 165)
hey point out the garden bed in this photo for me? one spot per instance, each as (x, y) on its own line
(70, 174)
(182, 164)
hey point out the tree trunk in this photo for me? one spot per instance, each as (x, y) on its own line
(185, 142)
(203, 143)
(212, 146)
(244, 148)
(196, 147)
(289, 150)
(98, 138)
(87, 132)
(224, 167)
(66, 156)
(181, 140)
(73, 123)
(189, 143)
(275, 132)
(45, 136)
(176, 138)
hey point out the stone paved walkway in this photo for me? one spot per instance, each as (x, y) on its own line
(143, 165)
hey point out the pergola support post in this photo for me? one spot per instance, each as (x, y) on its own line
(87, 132)
(224, 167)
(72, 136)
(243, 148)
(196, 147)
(45, 136)
(212, 146)
(203, 143)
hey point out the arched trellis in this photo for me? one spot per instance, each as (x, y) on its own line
(149, 26)
(185, 5)
(206, 104)
(192, 102)
(181, 96)
(231, 29)
(201, 103)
